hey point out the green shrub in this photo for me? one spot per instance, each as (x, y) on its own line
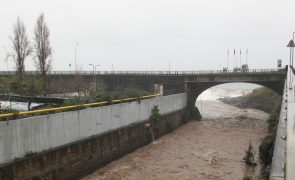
(73, 101)
(272, 121)
(155, 116)
(249, 157)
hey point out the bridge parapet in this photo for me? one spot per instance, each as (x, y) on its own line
(59, 82)
(156, 73)
(283, 163)
(290, 173)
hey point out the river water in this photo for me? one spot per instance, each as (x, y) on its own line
(209, 149)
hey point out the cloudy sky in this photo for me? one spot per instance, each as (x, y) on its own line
(147, 34)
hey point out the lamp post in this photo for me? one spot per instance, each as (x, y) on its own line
(293, 49)
(93, 67)
(94, 74)
(76, 44)
(291, 45)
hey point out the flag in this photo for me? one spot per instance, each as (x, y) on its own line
(234, 51)
(240, 52)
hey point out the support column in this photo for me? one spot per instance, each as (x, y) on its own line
(192, 111)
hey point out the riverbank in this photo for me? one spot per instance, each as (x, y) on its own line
(262, 98)
(209, 149)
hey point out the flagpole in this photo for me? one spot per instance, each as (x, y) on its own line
(227, 58)
(240, 58)
(234, 59)
(247, 56)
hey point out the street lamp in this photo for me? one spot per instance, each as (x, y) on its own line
(293, 49)
(95, 75)
(77, 43)
(94, 72)
(291, 45)
(93, 67)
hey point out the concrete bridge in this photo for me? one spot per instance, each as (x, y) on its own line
(172, 81)
(192, 82)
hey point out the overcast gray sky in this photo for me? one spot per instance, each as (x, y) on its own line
(145, 34)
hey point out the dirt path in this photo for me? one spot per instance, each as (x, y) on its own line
(208, 149)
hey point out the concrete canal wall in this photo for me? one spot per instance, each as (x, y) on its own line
(70, 144)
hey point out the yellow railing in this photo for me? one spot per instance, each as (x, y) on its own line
(65, 108)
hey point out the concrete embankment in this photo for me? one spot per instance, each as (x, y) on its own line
(71, 144)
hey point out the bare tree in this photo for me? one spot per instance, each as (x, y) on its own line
(42, 46)
(20, 47)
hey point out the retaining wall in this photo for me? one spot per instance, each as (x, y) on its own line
(71, 144)
(40, 133)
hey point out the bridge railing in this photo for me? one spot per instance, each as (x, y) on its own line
(198, 72)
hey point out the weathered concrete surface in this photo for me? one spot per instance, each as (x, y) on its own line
(83, 157)
(279, 154)
(290, 164)
(173, 82)
(22, 137)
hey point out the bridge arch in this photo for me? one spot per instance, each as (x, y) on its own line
(194, 89)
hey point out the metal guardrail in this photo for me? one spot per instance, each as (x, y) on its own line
(198, 72)
(76, 107)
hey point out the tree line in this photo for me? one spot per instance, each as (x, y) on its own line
(21, 48)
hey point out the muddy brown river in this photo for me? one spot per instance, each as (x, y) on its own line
(209, 149)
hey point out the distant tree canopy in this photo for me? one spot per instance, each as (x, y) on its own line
(20, 47)
(30, 86)
(42, 46)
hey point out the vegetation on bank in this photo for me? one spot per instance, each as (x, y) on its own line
(263, 99)
(266, 100)
(249, 157)
(90, 96)
(266, 147)
(155, 114)
(79, 102)
(28, 86)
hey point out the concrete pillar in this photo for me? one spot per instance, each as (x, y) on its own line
(192, 94)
